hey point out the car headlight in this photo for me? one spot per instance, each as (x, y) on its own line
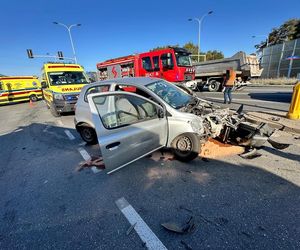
(197, 126)
(58, 97)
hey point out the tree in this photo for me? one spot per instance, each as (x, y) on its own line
(193, 49)
(289, 30)
(214, 55)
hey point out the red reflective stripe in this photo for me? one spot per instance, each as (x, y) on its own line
(19, 93)
(60, 66)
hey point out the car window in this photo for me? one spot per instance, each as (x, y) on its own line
(120, 110)
(146, 62)
(96, 89)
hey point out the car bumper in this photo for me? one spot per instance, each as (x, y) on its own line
(64, 106)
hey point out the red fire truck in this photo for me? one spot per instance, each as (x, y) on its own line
(172, 64)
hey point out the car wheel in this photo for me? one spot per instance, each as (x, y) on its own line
(33, 98)
(214, 86)
(53, 111)
(88, 134)
(186, 147)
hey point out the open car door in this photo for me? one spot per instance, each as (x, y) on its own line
(128, 127)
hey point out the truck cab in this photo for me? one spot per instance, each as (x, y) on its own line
(172, 64)
(61, 84)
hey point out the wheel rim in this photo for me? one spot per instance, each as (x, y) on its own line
(87, 134)
(184, 144)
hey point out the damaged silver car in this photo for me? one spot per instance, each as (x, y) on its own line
(133, 117)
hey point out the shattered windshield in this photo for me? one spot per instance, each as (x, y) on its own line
(183, 59)
(68, 77)
(172, 95)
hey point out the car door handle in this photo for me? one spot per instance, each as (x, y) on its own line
(113, 145)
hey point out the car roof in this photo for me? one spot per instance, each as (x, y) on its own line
(137, 81)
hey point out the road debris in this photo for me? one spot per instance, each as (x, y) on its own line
(186, 245)
(95, 161)
(250, 154)
(213, 149)
(130, 229)
(181, 228)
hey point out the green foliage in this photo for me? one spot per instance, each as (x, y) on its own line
(193, 49)
(289, 30)
(214, 55)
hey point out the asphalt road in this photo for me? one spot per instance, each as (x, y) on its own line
(46, 204)
(267, 99)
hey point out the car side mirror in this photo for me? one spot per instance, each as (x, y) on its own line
(44, 84)
(160, 113)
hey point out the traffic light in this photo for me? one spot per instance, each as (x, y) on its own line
(60, 55)
(29, 53)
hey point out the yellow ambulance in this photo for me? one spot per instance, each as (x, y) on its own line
(19, 88)
(61, 84)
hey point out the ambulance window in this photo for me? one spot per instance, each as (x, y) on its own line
(96, 89)
(156, 62)
(146, 62)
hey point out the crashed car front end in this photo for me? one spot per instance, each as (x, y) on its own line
(230, 126)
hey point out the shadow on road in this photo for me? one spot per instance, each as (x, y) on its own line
(44, 203)
(272, 97)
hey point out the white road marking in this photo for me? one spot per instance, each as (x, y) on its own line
(69, 134)
(85, 155)
(142, 229)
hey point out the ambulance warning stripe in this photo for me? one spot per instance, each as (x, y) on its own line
(19, 92)
(63, 66)
(17, 78)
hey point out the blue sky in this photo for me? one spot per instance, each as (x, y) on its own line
(117, 28)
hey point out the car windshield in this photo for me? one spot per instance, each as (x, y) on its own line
(183, 59)
(172, 95)
(68, 77)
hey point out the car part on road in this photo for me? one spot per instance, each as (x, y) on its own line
(251, 154)
(181, 228)
(278, 145)
(95, 161)
(88, 134)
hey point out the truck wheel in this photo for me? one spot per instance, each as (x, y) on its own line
(186, 147)
(33, 98)
(53, 111)
(214, 86)
(88, 134)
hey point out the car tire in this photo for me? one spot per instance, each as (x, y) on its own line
(88, 134)
(33, 98)
(214, 86)
(53, 111)
(186, 147)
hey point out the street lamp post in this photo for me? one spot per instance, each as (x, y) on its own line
(199, 20)
(69, 30)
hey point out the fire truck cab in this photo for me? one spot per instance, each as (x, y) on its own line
(172, 64)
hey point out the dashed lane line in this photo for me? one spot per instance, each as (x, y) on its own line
(139, 225)
(69, 134)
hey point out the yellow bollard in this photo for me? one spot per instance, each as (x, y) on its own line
(294, 111)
